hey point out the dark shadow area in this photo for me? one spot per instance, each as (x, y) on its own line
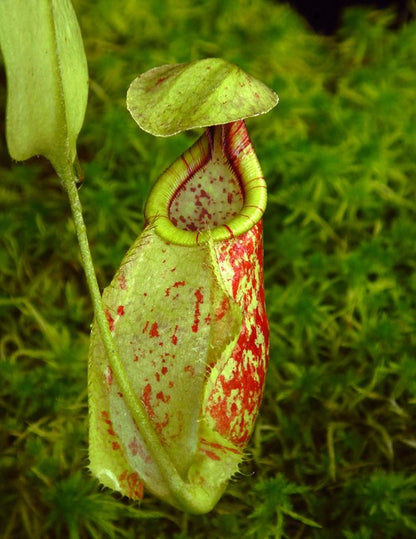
(324, 16)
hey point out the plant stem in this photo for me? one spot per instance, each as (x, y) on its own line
(188, 497)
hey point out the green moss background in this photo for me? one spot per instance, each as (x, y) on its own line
(335, 444)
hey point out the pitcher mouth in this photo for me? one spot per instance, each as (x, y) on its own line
(214, 191)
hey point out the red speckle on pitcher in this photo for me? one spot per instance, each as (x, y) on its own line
(236, 398)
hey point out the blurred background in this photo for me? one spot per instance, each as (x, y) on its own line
(326, 17)
(334, 450)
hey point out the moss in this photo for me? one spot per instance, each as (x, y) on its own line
(334, 444)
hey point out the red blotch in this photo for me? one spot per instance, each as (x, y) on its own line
(109, 376)
(110, 320)
(146, 398)
(162, 397)
(134, 447)
(105, 415)
(154, 330)
(122, 281)
(120, 310)
(222, 309)
(174, 337)
(162, 424)
(202, 214)
(210, 454)
(190, 369)
(222, 448)
(164, 370)
(131, 484)
(108, 422)
(115, 446)
(199, 299)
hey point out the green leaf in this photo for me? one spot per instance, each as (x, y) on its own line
(47, 79)
(172, 98)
